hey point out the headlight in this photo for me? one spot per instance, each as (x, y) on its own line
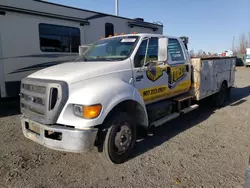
(87, 112)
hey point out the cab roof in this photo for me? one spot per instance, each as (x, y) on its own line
(141, 35)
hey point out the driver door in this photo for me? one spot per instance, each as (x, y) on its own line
(150, 77)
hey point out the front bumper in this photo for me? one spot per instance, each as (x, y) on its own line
(59, 137)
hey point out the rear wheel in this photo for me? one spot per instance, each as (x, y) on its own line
(119, 139)
(221, 96)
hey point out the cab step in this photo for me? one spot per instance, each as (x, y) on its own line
(173, 116)
(181, 100)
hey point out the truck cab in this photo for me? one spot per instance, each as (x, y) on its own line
(118, 86)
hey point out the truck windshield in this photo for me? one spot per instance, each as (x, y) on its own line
(110, 49)
(248, 57)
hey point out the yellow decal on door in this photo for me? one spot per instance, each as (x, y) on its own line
(163, 91)
(177, 82)
(154, 72)
(177, 73)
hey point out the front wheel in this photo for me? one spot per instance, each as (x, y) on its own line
(119, 139)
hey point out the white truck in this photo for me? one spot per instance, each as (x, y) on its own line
(120, 85)
(247, 57)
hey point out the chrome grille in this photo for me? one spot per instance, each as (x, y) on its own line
(43, 100)
(38, 100)
(33, 88)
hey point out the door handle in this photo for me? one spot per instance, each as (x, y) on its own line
(138, 78)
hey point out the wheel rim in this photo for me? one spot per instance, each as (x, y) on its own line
(123, 139)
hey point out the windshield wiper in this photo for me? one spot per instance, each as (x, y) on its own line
(81, 58)
(99, 58)
(109, 59)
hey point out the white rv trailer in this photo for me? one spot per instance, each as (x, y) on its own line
(35, 34)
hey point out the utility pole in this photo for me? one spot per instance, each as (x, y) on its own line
(233, 45)
(116, 8)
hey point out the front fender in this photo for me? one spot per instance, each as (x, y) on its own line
(97, 92)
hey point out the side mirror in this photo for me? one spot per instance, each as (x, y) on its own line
(149, 63)
(162, 49)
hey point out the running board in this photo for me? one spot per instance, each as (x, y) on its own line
(189, 109)
(173, 116)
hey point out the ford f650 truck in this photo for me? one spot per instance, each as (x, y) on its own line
(120, 85)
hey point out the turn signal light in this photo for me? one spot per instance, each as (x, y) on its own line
(90, 112)
(87, 112)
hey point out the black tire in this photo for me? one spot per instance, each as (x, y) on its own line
(229, 92)
(222, 96)
(115, 124)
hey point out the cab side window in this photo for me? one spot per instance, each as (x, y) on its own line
(150, 55)
(175, 50)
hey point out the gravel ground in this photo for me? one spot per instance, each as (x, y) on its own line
(206, 148)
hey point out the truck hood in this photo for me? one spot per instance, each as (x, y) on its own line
(77, 71)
